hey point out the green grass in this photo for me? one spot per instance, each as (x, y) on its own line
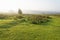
(26, 31)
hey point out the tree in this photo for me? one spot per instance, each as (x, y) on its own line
(19, 11)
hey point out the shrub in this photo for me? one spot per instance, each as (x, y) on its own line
(19, 17)
(39, 19)
(3, 16)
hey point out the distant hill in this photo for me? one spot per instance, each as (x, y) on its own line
(40, 12)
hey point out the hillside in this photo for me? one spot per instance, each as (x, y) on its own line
(17, 30)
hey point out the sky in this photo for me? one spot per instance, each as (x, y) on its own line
(41, 5)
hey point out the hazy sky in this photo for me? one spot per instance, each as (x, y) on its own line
(44, 5)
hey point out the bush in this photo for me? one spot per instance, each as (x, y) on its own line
(19, 17)
(3, 16)
(39, 19)
(16, 17)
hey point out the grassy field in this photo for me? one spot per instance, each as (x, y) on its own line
(16, 30)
